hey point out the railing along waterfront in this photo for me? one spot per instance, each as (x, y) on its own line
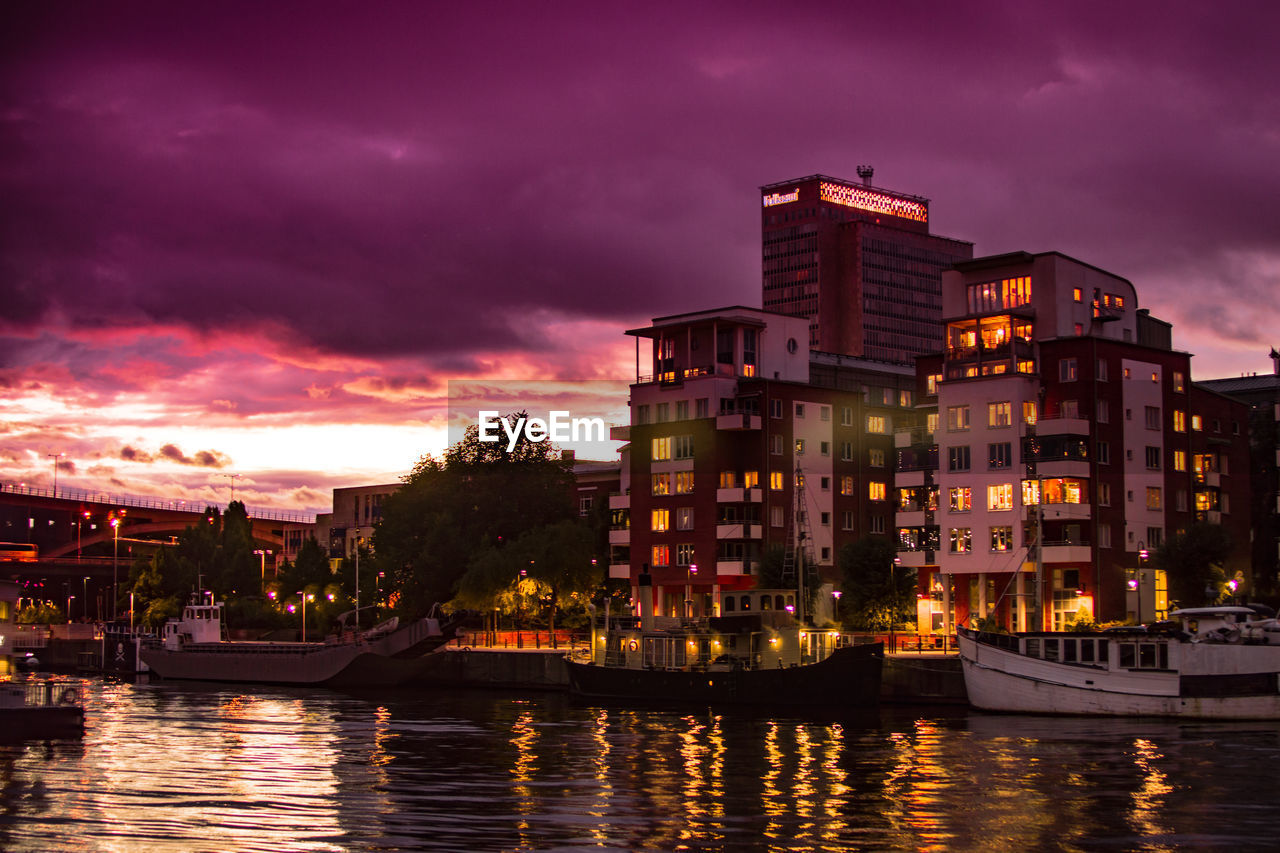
(193, 506)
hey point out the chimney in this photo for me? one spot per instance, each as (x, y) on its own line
(865, 172)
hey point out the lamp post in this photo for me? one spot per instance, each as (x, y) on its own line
(1136, 583)
(304, 596)
(84, 607)
(115, 563)
(79, 533)
(263, 554)
(835, 607)
(55, 457)
(688, 588)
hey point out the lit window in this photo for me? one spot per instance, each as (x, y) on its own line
(1153, 497)
(999, 414)
(1077, 295)
(661, 448)
(961, 498)
(660, 520)
(1002, 539)
(876, 491)
(750, 479)
(1179, 383)
(1179, 420)
(800, 445)
(661, 555)
(961, 539)
(661, 484)
(957, 417)
(684, 482)
(877, 424)
(876, 457)
(775, 480)
(846, 485)
(1000, 496)
(1179, 460)
(728, 479)
(1029, 412)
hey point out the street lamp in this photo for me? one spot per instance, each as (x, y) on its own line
(55, 457)
(263, 554)
(835, 609)
(688, 589)
(304, 596)
(79, 532)
(84, 607)
(115, 561)
(1135, 584)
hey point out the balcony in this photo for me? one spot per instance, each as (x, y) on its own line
(732, 567)
(739, 495)
(1058, 467)
(738, 421)
(1054, 424)
(620, 537)
(910, 518)
(1066, 552)
(905, 479)
(1063, 512)
(620, 501)
(620, 570)
(739, 530)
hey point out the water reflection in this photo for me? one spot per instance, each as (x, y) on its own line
(179, 768)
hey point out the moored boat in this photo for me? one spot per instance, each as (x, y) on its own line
(762, 658)
(40, 708)
(1208, 662)
(192, 648)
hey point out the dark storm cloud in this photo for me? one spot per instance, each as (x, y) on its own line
(202, 458)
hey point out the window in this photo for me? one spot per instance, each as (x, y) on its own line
(1104, 453)
(684, 518)
(846, 485)
(1104, 535)
(824, 413)
(1179, 420)
(663, 410)
(825, 484)
(931, 422)
(1154, 537)
(684, 554)
(684, 482)
(642, 414)
(1153, 458)
(958, 458)
(728, 479)
(877, 424)
(1179, 383)
(800, 446)
(701, 407)
(1000, 496)
(1077, 295)
(1067, 371)
(584, 505)
(825, 448)
(750, 479)
(660, 520)
(961, 539)
(957, 417)
(1069, 409)
(660, 555)
(875, 457)
(661, 484)
(775, 445)
(906, 398)
(1002, 539)
(846, 451)
(999, 414)
(876, 524)
(682, 410)
(661, 449)
(824, 519)
(799, 410)
(1153, 417)
(876, 491)
(1103, 412)
(999, 455)
(846, 416)
(1104, 494)
(775, 408)
(775, 480)
(1029, 413)
(931, 383)
(1180, 500)
(1102, 370)
(1153, 497)
(961, 498)
(683, 447)
(846, 520)
(776, 517)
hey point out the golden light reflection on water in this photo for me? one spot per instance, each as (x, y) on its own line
(524, 737)
(1146, 817)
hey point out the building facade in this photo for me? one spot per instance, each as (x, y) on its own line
(741, 441)
(858, 263)
(1060, 438)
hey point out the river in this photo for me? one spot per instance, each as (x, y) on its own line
(183, 767)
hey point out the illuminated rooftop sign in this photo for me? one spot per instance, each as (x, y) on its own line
(782, 198)
(870, 200)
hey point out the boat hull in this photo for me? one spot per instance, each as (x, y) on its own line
(999, 679)
(849, 677)
(387, 661)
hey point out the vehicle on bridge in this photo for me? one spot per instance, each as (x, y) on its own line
(18, 552)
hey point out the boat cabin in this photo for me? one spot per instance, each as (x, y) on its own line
(201, 622)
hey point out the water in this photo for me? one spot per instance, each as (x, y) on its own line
(169, 767)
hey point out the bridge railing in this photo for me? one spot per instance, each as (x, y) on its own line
(193, 506)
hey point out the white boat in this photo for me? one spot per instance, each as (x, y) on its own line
(192, 648)
(1205, 662)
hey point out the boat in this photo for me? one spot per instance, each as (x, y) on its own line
(1220, 662)
(40, 708)
(755, 658)
(193, 647)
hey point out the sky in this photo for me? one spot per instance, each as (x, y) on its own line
(249, 245)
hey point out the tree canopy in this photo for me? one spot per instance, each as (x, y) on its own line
(1193, 560)
(877, 593)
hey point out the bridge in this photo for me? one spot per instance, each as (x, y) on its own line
(80, 556)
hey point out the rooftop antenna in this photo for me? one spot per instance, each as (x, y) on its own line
(865, 172)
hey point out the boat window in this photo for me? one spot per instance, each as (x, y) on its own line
(765, 602)
(746, 602)
(1128, 655)
(1164, 656)
(1051, 649)
(1147, 655)
(778, 603)
(1069, 650)
(728, 604)
(1033, 647)
(1102, 651)
(1086, 650)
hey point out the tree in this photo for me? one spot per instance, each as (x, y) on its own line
(480, 495)
(309, 568)
(877, 593)
(1193, 561)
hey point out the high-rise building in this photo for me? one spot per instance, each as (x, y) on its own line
(743, 442)
(1060, 437)
(858, 263)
